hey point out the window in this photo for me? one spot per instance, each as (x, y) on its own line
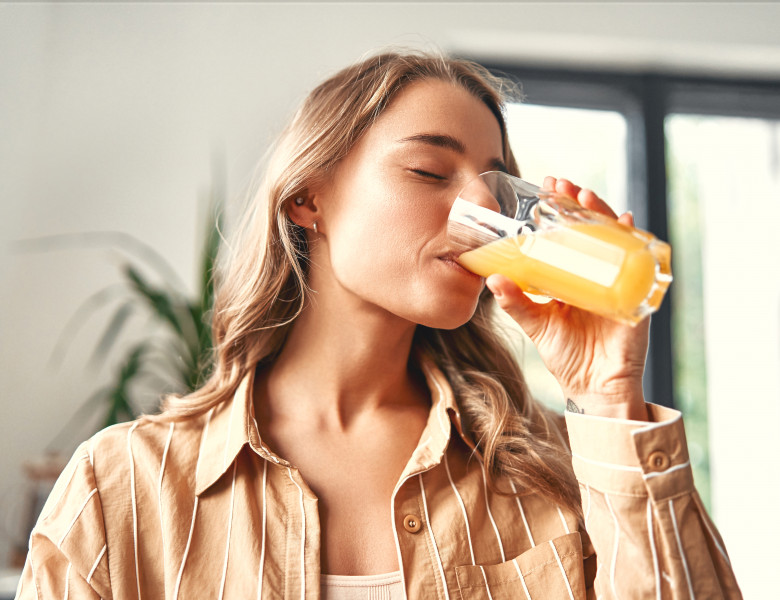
(586, 146)
(698, 162)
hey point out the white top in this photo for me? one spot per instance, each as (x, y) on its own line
(387, 586)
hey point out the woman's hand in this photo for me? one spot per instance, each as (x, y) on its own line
(598, 362)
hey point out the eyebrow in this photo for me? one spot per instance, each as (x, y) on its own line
(450, 143)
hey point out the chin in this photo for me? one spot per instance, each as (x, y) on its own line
(448, 316)
(444, 324)
(440, 305)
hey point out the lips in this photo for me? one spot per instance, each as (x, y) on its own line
(451, 257)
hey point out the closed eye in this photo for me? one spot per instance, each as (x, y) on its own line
(428, 174)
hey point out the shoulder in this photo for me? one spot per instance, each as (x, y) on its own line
(138, 449)
(143, 432)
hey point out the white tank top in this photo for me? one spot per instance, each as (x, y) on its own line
(387, 586)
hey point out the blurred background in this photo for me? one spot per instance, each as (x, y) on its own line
(123, 125)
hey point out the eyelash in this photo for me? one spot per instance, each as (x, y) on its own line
(429, 174)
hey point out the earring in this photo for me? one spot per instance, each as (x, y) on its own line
(299, 201)
(314, 227)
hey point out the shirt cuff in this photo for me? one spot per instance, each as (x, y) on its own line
(635, 458)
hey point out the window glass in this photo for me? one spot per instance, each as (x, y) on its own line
(724, 209)
(585, 146)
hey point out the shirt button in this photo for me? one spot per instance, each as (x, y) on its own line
(658, 461)
(412, 524)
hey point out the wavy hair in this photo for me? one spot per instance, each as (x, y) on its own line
(263, 287)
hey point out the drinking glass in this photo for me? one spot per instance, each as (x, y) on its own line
(549, 245)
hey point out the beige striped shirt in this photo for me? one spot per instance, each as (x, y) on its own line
(203, 509)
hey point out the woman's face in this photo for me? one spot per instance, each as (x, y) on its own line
(383, 214)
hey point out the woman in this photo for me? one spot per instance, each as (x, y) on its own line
(364, 430)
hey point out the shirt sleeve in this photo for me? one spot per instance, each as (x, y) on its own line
(67, 556)
(651, 533)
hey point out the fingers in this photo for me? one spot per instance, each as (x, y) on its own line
(587, 198)
(627, 219)
(592, 202)
(561, 186)
(567, 188)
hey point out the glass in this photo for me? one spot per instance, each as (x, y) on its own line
(550, 245)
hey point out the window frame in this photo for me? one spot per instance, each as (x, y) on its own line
(645, 99)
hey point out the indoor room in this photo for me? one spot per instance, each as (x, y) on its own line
(133, 134)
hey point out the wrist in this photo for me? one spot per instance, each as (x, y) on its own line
(630, 407)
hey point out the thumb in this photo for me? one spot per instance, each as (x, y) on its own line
(530, 315)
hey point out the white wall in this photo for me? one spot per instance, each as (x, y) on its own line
(111, 114)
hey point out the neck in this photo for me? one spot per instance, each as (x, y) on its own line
(342, 359)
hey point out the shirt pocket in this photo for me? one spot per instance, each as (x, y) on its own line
(548, 571)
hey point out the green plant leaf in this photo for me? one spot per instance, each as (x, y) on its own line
(97, 398)
(111, 333)
(209, 257)
(178, 358)
(160, 303)
(113, 239)
(80, 317)
(120, 406)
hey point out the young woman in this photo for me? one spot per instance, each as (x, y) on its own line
(365, 433)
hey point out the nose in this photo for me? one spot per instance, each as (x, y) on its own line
(478, 191)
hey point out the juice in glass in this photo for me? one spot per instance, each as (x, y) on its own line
(561, 250)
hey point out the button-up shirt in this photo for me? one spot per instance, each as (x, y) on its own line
(202, 508)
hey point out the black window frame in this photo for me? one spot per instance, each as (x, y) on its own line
(645, 99)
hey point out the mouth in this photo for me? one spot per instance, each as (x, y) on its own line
(450, 259)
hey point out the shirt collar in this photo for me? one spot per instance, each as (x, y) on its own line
(231, 425)
(228, 428)
(443, 398)
(444, 413)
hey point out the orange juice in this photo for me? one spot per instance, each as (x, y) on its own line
(603, 267)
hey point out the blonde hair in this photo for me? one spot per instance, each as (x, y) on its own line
(264, 287)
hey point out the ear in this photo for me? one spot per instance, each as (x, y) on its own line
(302, 209)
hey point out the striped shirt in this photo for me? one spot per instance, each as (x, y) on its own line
(201, 508)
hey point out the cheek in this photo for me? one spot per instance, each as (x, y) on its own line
(383, 230)
(383, 244)
(393, 269)
(379, 248)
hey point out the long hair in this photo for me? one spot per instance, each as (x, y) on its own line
(264, 285)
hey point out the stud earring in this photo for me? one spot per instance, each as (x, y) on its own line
(299, 201)
(314, 227)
